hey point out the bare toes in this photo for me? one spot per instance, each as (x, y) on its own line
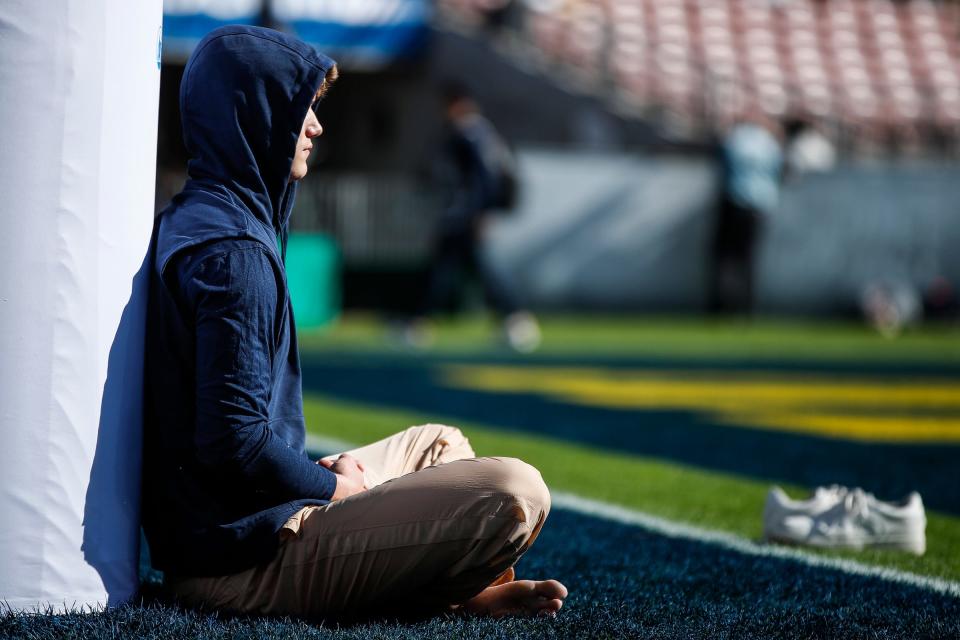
(550, 589)
(548, 607)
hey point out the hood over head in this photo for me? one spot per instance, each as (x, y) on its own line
(243, 98)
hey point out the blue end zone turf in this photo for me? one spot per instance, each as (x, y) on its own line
(627, 582)
(624, 581)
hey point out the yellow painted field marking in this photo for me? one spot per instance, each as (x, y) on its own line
(839, 407)
(868, 428)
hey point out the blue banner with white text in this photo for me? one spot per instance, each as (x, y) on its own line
(357, 33)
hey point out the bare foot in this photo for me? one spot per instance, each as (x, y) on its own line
(518, 598)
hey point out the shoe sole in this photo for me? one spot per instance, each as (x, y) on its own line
(911, 545)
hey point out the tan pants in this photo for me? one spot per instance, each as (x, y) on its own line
(435, 527)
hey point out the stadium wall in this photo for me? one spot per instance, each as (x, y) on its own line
(79, 80)
(621, 231)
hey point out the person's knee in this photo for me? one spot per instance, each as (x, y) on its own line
(438, 444)
(434, 431)
(513, 478)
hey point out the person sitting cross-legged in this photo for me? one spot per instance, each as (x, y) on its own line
(236, 514)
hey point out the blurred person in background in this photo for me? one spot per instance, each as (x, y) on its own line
(751, 162)
(891, 305)
(478, 178)
(237, 515)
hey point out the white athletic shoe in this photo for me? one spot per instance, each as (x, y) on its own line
(845, 518)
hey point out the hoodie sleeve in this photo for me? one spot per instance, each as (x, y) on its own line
(234, 300)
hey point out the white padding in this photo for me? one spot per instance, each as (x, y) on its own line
(79, 81)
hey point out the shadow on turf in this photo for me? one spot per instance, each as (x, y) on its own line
(152, 594)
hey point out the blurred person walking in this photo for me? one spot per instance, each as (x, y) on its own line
(751, 160)
(478, 179)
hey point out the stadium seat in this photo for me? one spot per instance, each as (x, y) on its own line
(888, 71)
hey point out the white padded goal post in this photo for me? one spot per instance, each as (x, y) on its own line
(79, 88)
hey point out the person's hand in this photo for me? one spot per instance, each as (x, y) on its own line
(349, 474)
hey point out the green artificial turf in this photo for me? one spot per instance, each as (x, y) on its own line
(625, 582)
(685, 494)
(673, 337)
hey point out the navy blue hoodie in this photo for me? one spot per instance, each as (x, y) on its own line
(224, 460)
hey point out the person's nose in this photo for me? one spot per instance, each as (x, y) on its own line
(314, 129)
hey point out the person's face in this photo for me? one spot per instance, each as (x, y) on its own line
(311, 129)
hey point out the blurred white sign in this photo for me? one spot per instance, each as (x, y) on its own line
(218, 9)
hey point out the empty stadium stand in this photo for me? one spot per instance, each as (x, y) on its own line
(875, 74)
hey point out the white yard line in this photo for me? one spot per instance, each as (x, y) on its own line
(671, 529)
(661, 526)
